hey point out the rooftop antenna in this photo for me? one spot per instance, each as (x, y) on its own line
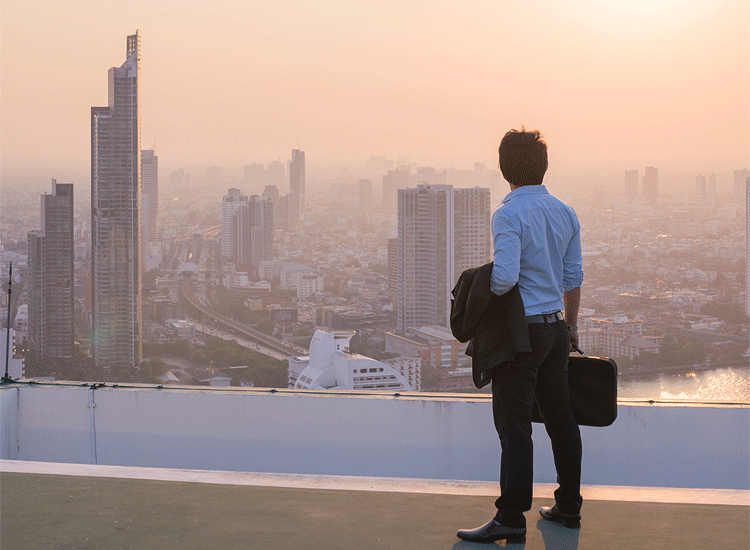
(7, 378)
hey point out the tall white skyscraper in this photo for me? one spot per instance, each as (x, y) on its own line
(51, 276)
(441, 232)
(149, 199)
(116, 238)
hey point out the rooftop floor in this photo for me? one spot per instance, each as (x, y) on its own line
(119, 507)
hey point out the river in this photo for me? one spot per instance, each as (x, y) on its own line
(722, 384)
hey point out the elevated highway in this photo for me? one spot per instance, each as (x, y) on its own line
(274, 344)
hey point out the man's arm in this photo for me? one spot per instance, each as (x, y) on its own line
(506, 254)
(572, 301)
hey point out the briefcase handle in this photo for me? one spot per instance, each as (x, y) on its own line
(579, 350)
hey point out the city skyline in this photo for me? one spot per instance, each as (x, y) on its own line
(345, 82)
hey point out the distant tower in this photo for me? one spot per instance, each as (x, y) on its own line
(441, 232)
(230, 205)
(116, 241)
(149, 199)
(631, 184)
(651, 184)
(297, 179)
(254, 232)
(51, 276)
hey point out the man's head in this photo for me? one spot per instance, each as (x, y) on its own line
(523, 157)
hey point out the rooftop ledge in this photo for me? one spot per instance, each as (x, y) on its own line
(422, 439)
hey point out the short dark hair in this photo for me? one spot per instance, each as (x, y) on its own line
(523, 157)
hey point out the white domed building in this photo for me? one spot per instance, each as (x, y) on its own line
(331, 366)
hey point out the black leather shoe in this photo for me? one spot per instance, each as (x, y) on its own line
(571, 521)
(492, 531)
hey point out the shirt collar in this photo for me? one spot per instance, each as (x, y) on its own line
(526, 190)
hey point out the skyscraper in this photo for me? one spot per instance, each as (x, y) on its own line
(254, 230)
(51, 276)
(297, 179)
(149, 199)
(441, 232)
(247, 225)
(651, 184)
(116, 241)
(230, 205)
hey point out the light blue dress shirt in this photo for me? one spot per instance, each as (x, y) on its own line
(537, 243)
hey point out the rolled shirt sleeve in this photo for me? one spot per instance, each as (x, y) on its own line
(573, 261)
(506, 238)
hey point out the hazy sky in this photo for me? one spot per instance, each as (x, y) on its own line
(613, 84)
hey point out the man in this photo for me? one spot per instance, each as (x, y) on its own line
(537, 245)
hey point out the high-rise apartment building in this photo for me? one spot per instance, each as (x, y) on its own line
(149, 199)
(651, 184)
(51, 276)
(631, 184)
(230, 205)
(254, 232)
(116, 241)
(297, 180)
(246, 229)
(441, 232)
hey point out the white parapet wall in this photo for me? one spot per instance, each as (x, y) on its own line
(373, 434)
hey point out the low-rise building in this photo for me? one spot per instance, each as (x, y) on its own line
(331, 366)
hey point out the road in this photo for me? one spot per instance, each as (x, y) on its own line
(235, 329)
(244, 342)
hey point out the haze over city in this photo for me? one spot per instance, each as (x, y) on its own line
(612, 84)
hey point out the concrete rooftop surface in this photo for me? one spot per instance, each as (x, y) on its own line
(66, 506)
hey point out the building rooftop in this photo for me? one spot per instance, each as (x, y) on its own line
(81, 506)
(140, 466)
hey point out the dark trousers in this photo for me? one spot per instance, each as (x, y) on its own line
(541, 374)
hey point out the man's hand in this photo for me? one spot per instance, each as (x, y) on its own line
(573, 338)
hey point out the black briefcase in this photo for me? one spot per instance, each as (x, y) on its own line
(593, 390)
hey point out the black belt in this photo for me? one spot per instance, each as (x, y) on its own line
(545, 318)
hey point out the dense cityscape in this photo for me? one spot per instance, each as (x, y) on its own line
(264, 279)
